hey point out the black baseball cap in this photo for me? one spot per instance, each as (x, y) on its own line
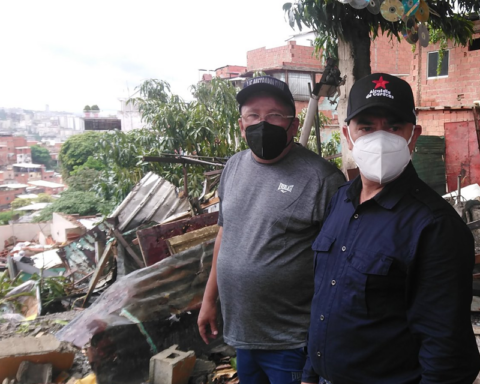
(381, 90)
(268, 84)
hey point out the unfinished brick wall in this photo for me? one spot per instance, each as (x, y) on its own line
(450, 98)
(22, 178)
(290, 54)
(19, 141)
(390, 56)
(460, 87)
(433, 121)
(7, 196)
(230, 71)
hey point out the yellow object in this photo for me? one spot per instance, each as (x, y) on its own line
(89, 379)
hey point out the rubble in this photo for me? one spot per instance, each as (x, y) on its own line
(143, 313)
(140, 274)
(39, 350)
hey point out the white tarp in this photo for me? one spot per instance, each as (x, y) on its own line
(470, 192)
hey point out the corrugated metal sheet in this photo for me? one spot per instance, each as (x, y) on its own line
(171, 287)
(80, 254)
(152, 199)
(429, 161)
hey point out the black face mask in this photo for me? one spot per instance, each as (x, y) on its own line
(267, 141)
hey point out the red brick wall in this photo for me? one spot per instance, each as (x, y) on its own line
(432, 121)
(3, 155)
(390, 56)
(19, 141)
(460, 87)
(290, 54)
(21, 178)
(47, 175)
(446, 99)
(230, 71)
(53, 191)
(7, 196)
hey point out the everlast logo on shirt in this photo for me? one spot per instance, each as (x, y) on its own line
(285, 188)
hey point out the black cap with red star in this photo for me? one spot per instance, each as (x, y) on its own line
(381, 90)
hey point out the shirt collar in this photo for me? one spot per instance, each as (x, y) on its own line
(391, 194)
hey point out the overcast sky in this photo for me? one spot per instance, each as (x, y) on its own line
(71, 53)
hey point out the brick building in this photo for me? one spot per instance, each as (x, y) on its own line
(297, 64)
(230, 71)
(9, 192)
(448, 102)
(448, 96)
(293, 63)
(14, 149)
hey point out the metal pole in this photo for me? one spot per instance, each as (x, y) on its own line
(185, 187)
(459, 188)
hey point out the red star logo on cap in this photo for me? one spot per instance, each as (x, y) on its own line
(380, 83)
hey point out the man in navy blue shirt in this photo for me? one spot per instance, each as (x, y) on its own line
(393, 262)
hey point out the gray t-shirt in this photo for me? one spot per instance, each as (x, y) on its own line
(270, 216)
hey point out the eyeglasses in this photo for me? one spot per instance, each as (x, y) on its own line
(272, 118)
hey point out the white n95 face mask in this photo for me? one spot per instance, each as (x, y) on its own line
(381, 156)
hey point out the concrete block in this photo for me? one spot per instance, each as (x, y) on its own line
(39, 350)
(171, 366)
(31, 373)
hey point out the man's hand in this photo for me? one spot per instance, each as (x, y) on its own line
(207, 321)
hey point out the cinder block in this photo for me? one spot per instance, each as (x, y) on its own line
(171, 366)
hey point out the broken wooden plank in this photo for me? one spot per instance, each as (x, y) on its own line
(129, 249)
(102, 263)
(474, 225)
(180, 243)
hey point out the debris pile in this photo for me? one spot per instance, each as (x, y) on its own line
(115, 292)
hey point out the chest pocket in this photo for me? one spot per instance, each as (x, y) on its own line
(369, 282)
(321, 246)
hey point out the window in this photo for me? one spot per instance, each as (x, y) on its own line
(298, 84)
(475, 45)
(433, 63)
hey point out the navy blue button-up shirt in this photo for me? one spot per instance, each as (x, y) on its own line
(393, 287)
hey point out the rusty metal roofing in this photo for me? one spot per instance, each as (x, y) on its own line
(152, 199)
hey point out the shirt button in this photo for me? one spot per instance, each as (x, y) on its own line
(344, 248)
(355, 216)
(322, 317)
(334, 282)
(319, 354)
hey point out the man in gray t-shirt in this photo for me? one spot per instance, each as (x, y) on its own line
(273, 199)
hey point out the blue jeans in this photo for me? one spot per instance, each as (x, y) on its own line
(258, 366)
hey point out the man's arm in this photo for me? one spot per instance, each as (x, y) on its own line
(309, 376)
(439, 303)
(208, 312)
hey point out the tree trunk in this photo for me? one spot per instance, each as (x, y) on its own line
(354, 62)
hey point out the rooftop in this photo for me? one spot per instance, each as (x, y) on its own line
(28, 165)
(43, 183)
(13, 186)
